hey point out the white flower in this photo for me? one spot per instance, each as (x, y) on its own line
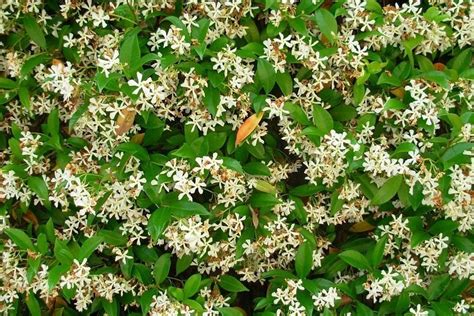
(325, 298)
(121, 255)
(109, 62)
(418, 311)
(141, 85)
(461, 307)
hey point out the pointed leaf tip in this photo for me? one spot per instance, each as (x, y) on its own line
(248, 127)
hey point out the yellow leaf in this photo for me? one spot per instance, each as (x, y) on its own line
(255, 219)
(138, 138)
(247, 128)
(125, 121)
(398, 92)
(361, 227)
(264, 186)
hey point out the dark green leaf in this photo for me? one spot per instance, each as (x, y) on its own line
(212, 98)
(388, 190)
(20, 238)
(231, 284)
(326, 22)
(89, 246)
(377, 254)
(33, 305)
(35, 32)
(257, 168)
(322, 119)
(265, 74)
(438, 285)
(162, 268)
(285, 82)
(38, 186)
(158, 222)
(304, 260)
(185, 208)
(297, 113)
(191, 286)
(355, 259)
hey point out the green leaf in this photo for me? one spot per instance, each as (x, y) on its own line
(111, 308)
(162, 268)
(355, 259)
(388, 190)
(130, 51)
(53, 122)
(33, 304)
(322, 119)
(185, 208)
(409, 45)
(158, 222)
(306, 189)
(418, 237)
(377, 254)
(7, 84)
(385, 78)
(285, 82)
(38, 186)
(297, 113)
(212, 99)
(192, 285)
(403, 302)
(230, 311)
(232, 164)
(24, 96)
(42, 243)
(215, 140)
(327, 23)
(113, 237)
(231, 284)
(200, 33)
(178, 23)
(455, 155)
(443, 308)
(257, 168)
(183, 263)
(363, 310)
(54, 275)
(265, 74)
(438, 285)
(424, 63)
(32, 62)
(463, 243)
(468, 74)
(343, 113)
(438, 77)
(462, 61)
(269, 4)
(263, 200)
(20, 238)
(456, 287)
(62, 253)
(304, 260)
(134, 149)
(89, 246)
(359, 93)
(374, 6)
(446, 227)
(394, 104)
(34, 31)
